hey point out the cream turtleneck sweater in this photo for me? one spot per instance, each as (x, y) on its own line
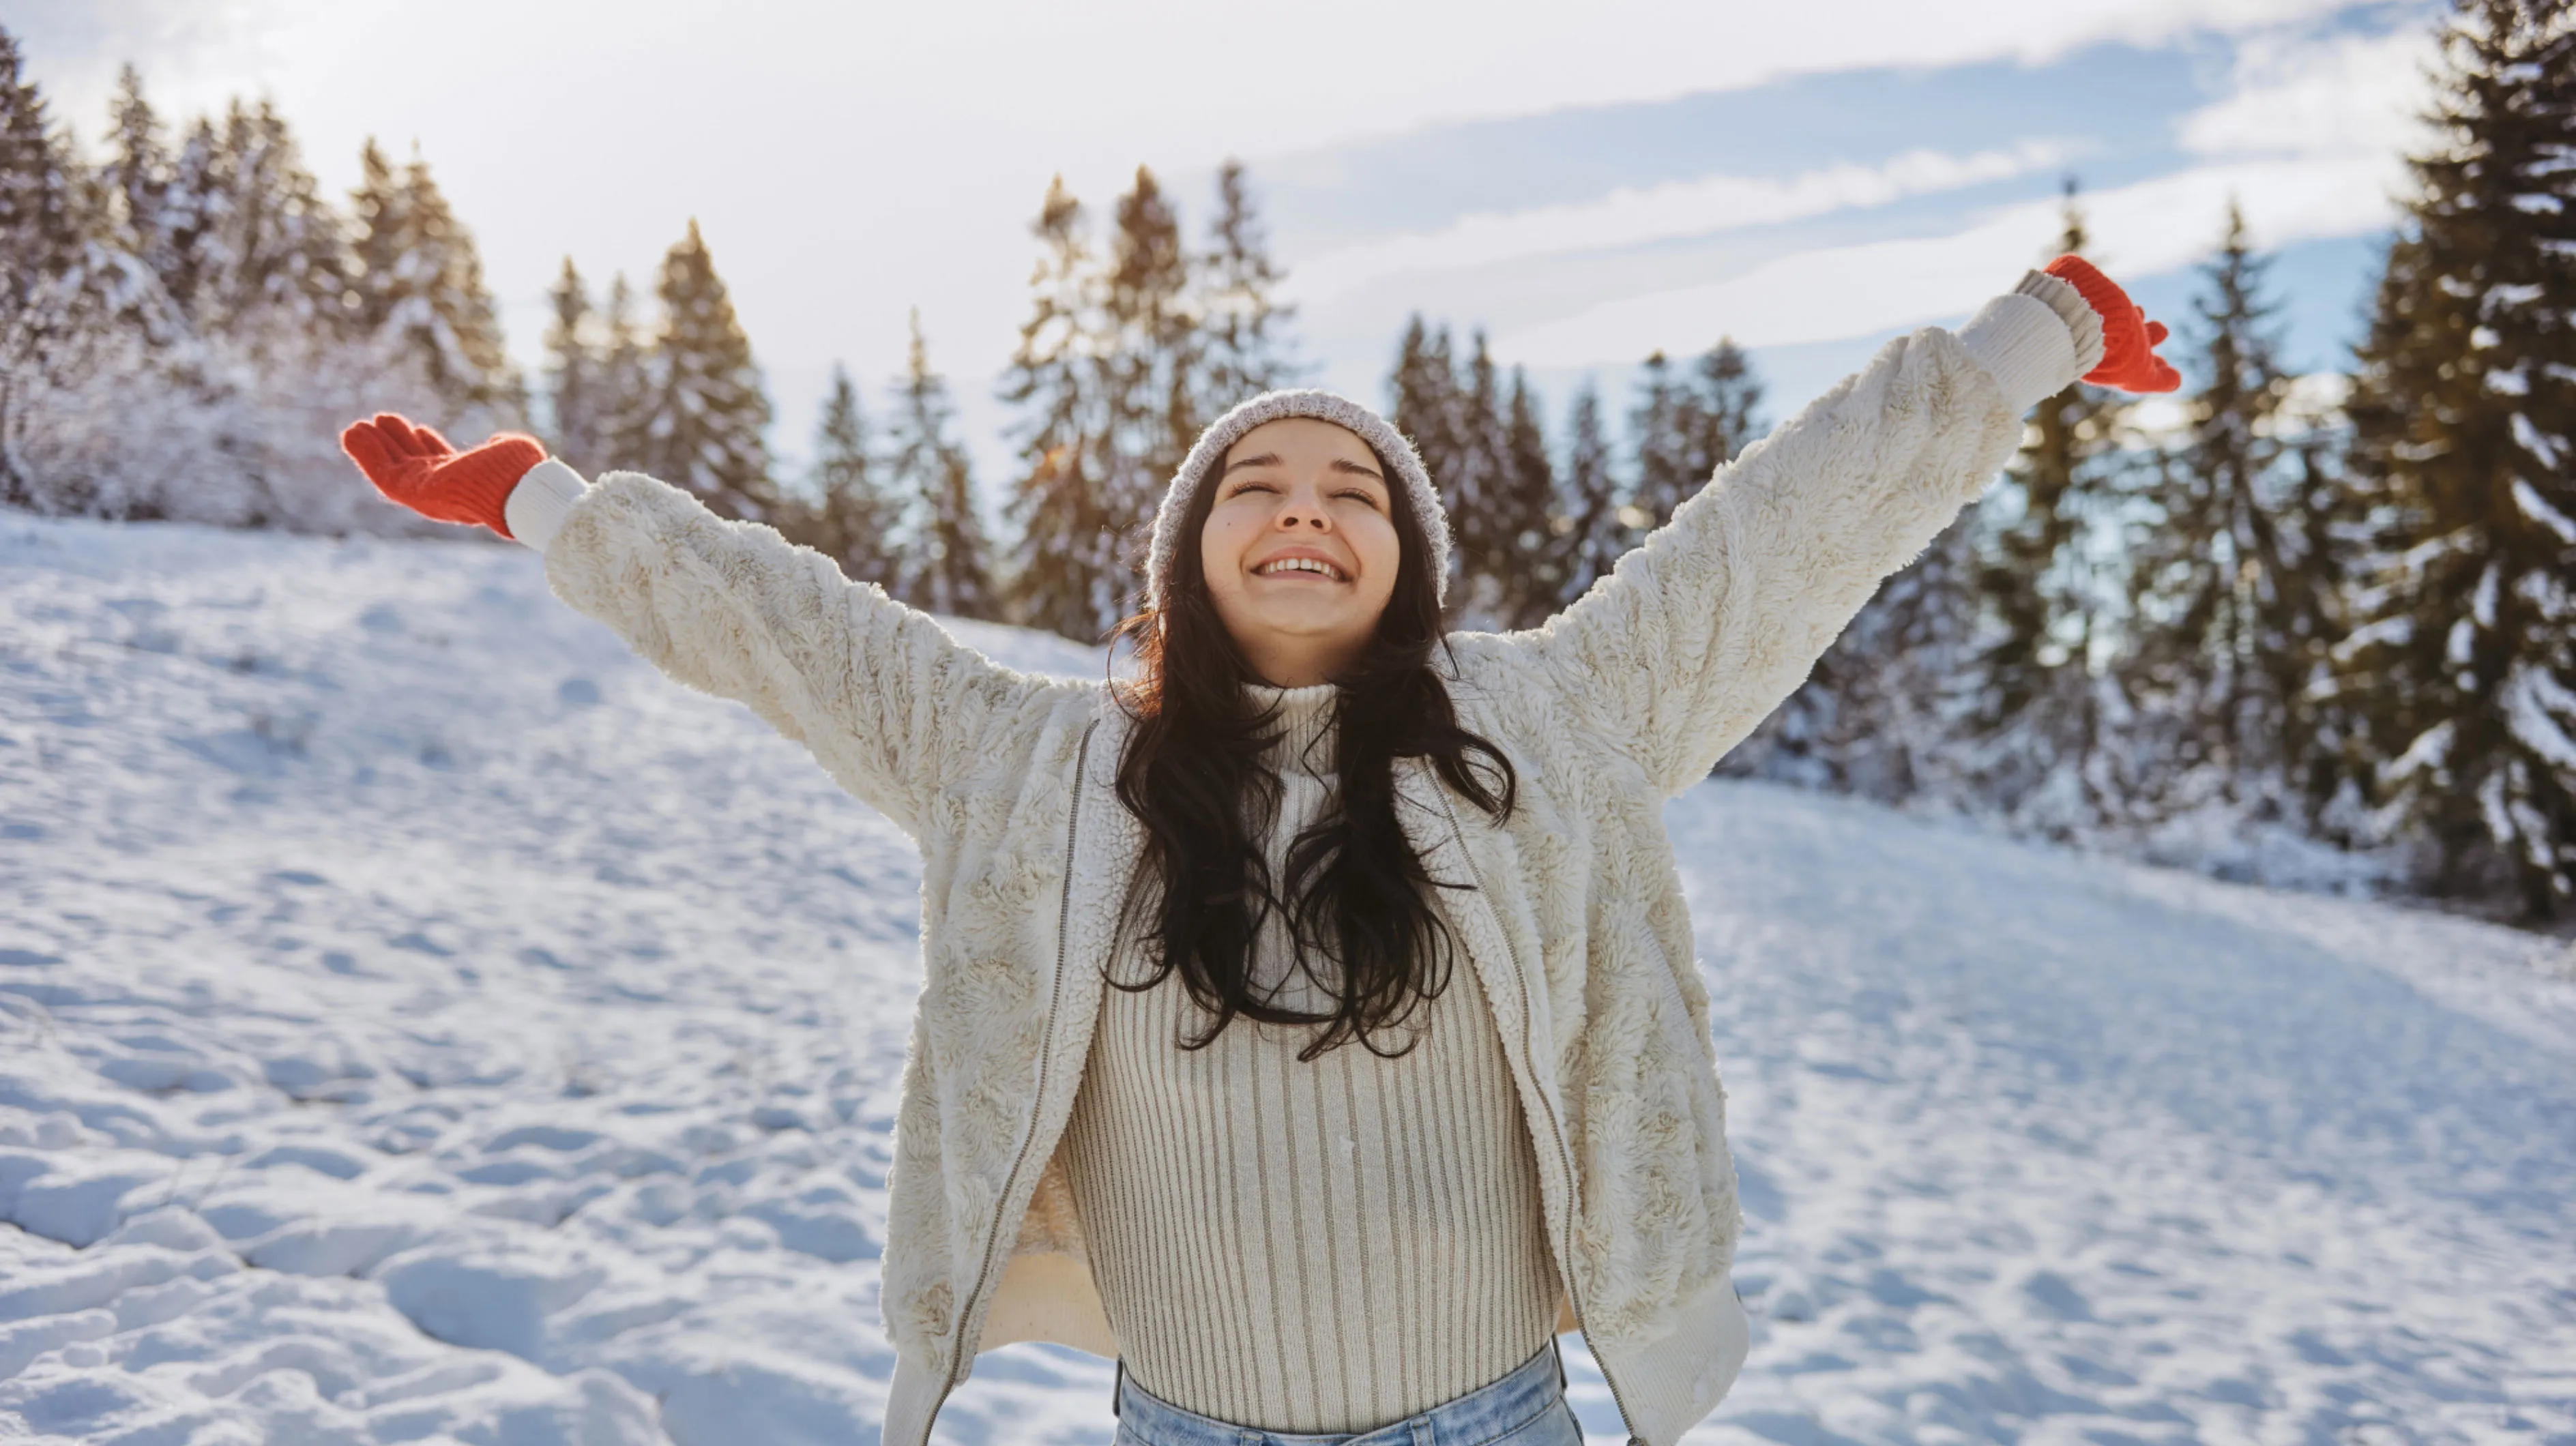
(1310, 1247)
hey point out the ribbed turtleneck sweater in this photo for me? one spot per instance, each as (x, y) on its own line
(1318, 1246)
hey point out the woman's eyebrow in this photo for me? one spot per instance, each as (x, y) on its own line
(1266, 459)
(1362, 469)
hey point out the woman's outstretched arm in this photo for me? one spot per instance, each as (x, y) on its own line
(892, 706)
(1718, 615)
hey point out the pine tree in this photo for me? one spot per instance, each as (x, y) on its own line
(43, 260)
(854, 520)
(1534, 560)
(1147, 345)
(1423, 391)
(706, 414)
(622, 402)
(1600, 532)
(1660, 434)
(385, 231)
(947, 571)
(2223, 630)
(1718, 415)
(1070, 578)
(138, 173)
(126, 295)
(572, 373)
(1476, 493)
(420, 284)
(2461, 676)
(2315, 435)
(181, 235)
(2038, 717)
(1243, 349)
(267, 246)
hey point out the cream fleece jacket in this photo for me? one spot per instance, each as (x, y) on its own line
(1576, 926)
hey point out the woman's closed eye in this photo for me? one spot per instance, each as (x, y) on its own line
(1355, 494)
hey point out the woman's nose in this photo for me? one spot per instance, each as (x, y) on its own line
(1301, 514)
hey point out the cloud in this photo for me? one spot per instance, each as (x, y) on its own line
(2310, 140)
(1846, 291)
(1176, 79)
(2350, 93)
(1629, 217)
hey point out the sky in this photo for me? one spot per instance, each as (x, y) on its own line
(1586, 184)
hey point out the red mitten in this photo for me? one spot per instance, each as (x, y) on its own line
(413, 465)
(2129, 340)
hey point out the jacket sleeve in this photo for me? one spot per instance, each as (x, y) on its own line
(895, 709)
(1702, 629)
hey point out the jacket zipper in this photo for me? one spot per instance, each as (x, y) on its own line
(1556, 1128)
(959, 1355)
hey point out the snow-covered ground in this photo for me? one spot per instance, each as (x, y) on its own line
(421, 1022)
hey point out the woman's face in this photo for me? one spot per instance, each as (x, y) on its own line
(1300, 549)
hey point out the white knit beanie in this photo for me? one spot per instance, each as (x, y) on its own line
(1389, 444)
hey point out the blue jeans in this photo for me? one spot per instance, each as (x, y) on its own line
(1525, 1408)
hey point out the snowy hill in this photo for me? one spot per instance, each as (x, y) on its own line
(420, 1022)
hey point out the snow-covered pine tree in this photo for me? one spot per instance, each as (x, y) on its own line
(275, 253)
(1428, 408)
(2331, 520)
(269, 279)
(44, 285)
(1534, 559)
(854, 519)
(382, 209)
(1720, 414)
(2461, 674)
(1423, 389)
(1476, 493)
(706, 415)
(946, 571)
(158, 207)
(89, 422)
(138, 174)
(572, 374)
(1146, 346)
(420, 285)
(2039, 712)
(2222, 628)
(1243, 347)
(1070, 577)
(622, 401)
(1592, 503)
(183, 237)
(1660, 431)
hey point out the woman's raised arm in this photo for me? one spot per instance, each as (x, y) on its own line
(885, 700)
(1718, 615)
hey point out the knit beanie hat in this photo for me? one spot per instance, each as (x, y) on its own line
(1389, 444)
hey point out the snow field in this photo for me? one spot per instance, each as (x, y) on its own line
(2043, 1149)
(419, 1021)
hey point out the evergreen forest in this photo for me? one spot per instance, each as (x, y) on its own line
(2322, 616)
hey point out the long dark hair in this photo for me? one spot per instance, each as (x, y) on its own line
(1195, 773)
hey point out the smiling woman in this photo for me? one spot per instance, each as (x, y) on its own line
(1158, 913)
(1299, 548)
(1306, 615)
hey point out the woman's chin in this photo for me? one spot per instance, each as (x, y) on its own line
(1306, 629)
